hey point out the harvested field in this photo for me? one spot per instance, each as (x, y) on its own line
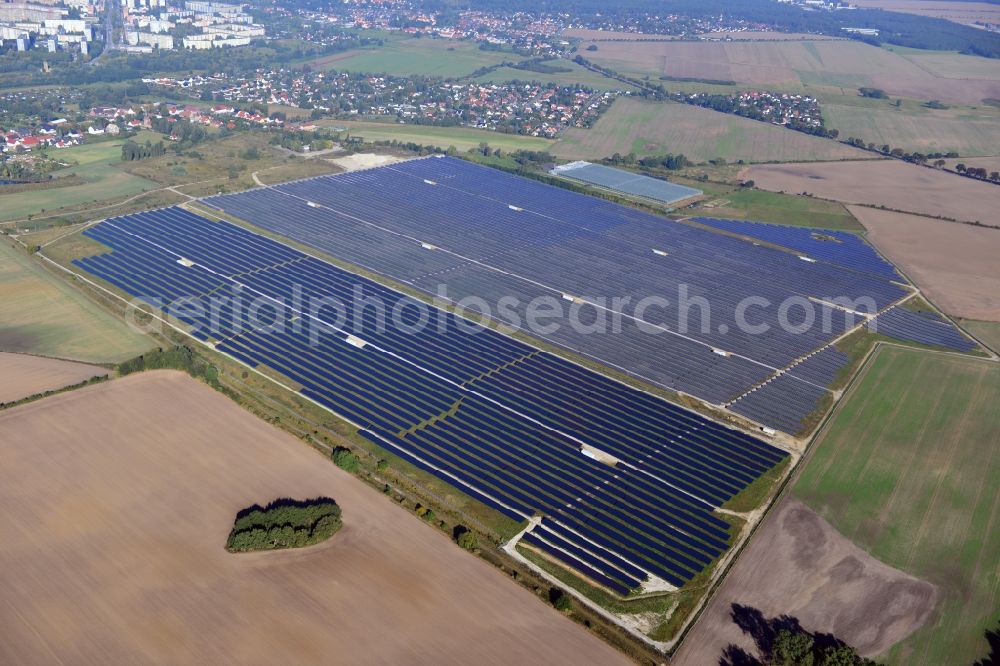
(117, 500)
(809, 65)
(651, 128)
(959, 129)
(766, 36)
(41, 314)
(909, 470)
(958, 11)
(25, 375)
(955, 265)
(798, 565)
(891, 183)
(589, 34)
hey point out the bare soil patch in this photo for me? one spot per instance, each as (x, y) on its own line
(116, 503)
(956, 265)
(801, 566)
(24, 375)
(890, 183)
(363, 161)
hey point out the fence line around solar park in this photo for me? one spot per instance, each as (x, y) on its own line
(414, 364)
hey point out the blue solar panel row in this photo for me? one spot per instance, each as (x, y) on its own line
(822, 367)
(783, 403)
(496, 234)
(926, 328)
(652, 513)
(838, 247)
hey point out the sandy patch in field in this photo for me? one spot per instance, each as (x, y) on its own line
(956, 265)
(800, 566)
(891, 183)
(22, 375)
(116, 502)
(363, 161)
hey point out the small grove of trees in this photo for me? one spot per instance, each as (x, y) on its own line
(285, 523)
(874, 93)
(799, 648)
(132, 151)
(177, 358)
(668, 161)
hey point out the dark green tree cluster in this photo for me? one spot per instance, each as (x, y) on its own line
(668, 161)
(132, 151)
(345, 459)
(782, 641)
(177, 358)
(799, 648)
(285, 523)
(873, 93)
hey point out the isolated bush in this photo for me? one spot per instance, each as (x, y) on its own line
(345, 459)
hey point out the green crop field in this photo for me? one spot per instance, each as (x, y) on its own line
(39, 314)
(462, 138)
(651, 128)
(95, 163)
(577, 76)
(909, 469)
(433, 57)
(987, 331)
(778, 208)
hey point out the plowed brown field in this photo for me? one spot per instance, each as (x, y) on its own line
(24, 375)
(115, 503)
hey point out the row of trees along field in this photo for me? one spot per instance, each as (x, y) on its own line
(285, 523)
(132, 151)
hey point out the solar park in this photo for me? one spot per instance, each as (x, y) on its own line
(488, 234)
(623, 486)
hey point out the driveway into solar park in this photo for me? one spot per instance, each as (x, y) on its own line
(117, 502)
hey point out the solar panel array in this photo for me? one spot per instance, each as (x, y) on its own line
(626, 182)
(927, 328)
(484, 233)
(837, 247)
(822, 367)
(504, 422)
(783, 403)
